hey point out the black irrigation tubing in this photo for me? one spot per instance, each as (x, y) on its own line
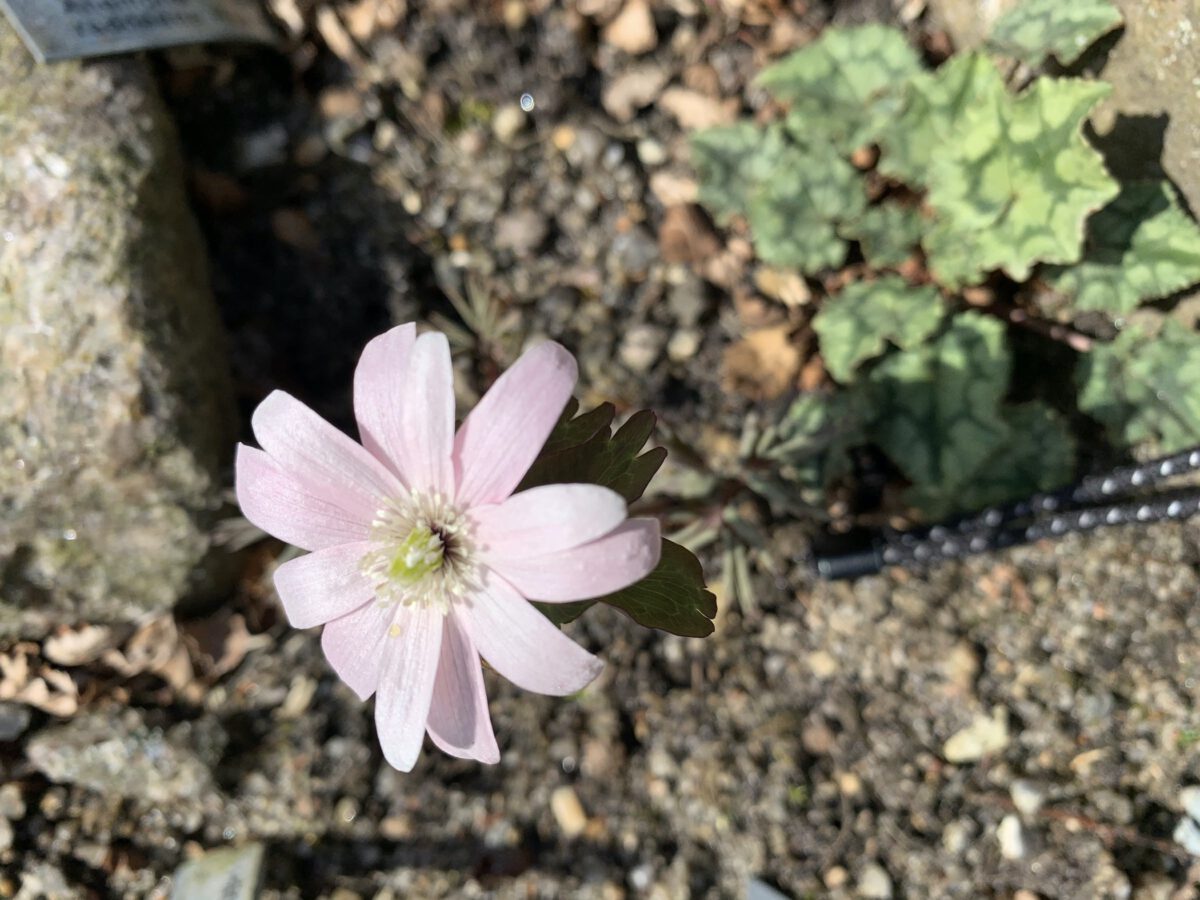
(1094, 502)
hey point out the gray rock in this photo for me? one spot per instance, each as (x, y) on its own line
(641, 347)
(231, 873)
(1153, 69)
(124, 757)
(115, 402)
(14, 719)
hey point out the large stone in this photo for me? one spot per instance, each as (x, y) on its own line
(115, 401)
(1154, 69)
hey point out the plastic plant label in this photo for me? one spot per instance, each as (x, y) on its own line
(73, 29)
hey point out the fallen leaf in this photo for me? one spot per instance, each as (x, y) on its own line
(694, 110)
(367, 17)
(786, 286)
(220, 643)
(79, 646)
(632, 90)
(672, 188)
(337, 38)
(686, 236)
(633, 29)
(763, 365)
(153, 648)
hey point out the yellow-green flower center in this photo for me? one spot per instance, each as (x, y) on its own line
(421, 552)
(418, 555)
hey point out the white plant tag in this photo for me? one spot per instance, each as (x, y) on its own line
(72, 29)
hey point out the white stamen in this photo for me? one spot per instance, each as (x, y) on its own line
(422, 553)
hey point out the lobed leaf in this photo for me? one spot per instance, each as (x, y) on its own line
(793, 196)
(937, 408)
(1018, 183)
(1142, 387)
(1035, 29)
(844, 86)
(583, 449)
(796, 207)
(671, 598)
(1140, 247)
(935, 105)
(888, 233)
(1039, 455)
(857, 324)
(727, 162)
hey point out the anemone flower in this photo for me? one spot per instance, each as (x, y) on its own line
(421, 558)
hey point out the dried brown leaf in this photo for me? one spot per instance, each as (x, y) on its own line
(763, 365)
(79, 646)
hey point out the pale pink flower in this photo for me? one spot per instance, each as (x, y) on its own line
(422, 557)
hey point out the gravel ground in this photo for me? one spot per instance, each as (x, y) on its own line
(1016, 726)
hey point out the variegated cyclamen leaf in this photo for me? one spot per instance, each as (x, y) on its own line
(1142, 387)
(843, 86)
(938, 408)
(889, 233)
(858, 323)
(1035, 29)
(933, 110)
(794, 197)
(726, 159)
(1017, 185)
(1039, 455)
(1140, 247)
(795, 210)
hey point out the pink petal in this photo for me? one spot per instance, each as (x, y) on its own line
(290, 509)
(405, 689)
(330, 463)
(548, 518)
(378, 381)
(353, 645)
(324, 585)
(426, 433)
(522, 644)
(459, 722)
(503, 435)
(627, 554)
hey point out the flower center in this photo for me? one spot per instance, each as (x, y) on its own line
(421, 552)
(418, 555)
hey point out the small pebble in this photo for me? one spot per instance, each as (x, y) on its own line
(874, 883)
(568, 811)
(12, 803)
(835, 878)
(1011, 837)
(508, 123)
(1026, 797)
(984, 736)
(683, 344)
(651, 152)
(641, 347)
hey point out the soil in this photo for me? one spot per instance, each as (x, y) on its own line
(802, 747)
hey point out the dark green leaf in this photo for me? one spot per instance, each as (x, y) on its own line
(1144, 387)
(938, 408)
(583, 450)
(859, 322)
(671, 598)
